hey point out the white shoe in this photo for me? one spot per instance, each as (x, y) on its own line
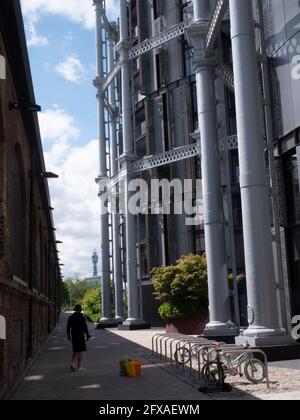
(82, 369)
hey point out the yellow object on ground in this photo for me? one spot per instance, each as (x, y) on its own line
(132, 368)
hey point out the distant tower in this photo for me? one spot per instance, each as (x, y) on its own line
(95, 260)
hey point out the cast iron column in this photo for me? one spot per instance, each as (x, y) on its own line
(262, 304)
(134, 317)
(117, 262)
(219, 304)
(104, 222)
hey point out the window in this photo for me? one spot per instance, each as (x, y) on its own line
(293, 189)
(166, 120)
(157, 8)
(199, 240)
(235, 168)
(195, 107)
(188, 59)
(17, 217)
(1, 360)
(158, 73)
(237, 211)
(161, 67)
(17, 343)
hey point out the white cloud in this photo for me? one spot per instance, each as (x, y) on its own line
(33, 39)
(74, 194)
(78, 11)
(71, 69)
(58, 126)
(74, 197)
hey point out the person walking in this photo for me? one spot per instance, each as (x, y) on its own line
(78, 333)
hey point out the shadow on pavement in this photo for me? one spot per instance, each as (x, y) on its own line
(51, 379)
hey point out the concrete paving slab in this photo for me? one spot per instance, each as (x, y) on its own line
(51, 379)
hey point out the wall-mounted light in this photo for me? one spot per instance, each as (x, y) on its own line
(46, 208)
(49, 175)
(58, 242)
(30, 107)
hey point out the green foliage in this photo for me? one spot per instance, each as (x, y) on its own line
(65, 295)
(170, 311)
(240, 279)
(182, 288)
(91, 303)
(77, 290)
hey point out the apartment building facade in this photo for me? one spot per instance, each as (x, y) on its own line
(225, 77)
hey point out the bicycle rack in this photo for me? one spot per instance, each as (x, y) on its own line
(192, 342)
(165, 346)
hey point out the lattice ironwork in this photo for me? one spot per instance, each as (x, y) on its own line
(225, 73)
(157, 41)
(229, 143)
(232, 142)
(114, 181)
(176, 155)
(215, 21)
(112, 75)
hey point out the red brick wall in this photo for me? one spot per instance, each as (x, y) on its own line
(16, 298)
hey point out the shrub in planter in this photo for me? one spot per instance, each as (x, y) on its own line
(182, 289)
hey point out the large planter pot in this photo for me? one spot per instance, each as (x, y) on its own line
(191, 325)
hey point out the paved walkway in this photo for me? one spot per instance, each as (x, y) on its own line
(50, 378)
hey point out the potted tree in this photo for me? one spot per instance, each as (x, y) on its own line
(183, 292)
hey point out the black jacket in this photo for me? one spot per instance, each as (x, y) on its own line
(77, 326)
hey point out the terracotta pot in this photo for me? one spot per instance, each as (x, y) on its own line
(191, 325)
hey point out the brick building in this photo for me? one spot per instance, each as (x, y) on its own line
(29, 268)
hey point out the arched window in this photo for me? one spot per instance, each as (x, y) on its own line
(17, 217)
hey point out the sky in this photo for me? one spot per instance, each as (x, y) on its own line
(61, 42)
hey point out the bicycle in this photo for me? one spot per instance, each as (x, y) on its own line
(185, 354)
(254, 369)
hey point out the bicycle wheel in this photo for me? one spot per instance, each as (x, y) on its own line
(213, 373)
(255, 371)
(182, 355)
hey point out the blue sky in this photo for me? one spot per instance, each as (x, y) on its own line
(68, 40)
(61, 43)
